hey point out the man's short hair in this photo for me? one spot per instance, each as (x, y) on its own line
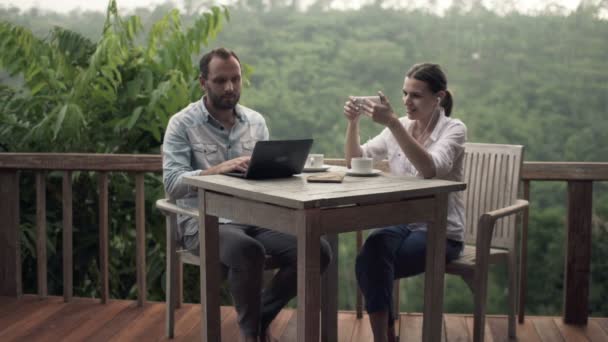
(222, 53)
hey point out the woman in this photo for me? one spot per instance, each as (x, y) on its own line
(427, 143)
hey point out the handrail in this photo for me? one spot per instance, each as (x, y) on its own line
(579, 176)
(81, 162)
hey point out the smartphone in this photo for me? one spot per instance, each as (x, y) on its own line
(359, 99)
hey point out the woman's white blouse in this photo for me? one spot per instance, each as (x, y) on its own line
(446, 147)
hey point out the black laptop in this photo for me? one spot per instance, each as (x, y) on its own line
(276, 159)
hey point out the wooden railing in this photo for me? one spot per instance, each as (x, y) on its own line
(11, 164)
(580, 178)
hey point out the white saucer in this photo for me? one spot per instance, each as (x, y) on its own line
(374, 172)
(316, 169)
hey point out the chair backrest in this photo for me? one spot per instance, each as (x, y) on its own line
(492, 173)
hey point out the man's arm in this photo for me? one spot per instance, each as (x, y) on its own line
(177, 153)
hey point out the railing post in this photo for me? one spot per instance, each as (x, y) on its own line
(140, 237)
(103, 237)
(10, 255)
(41, 233)
(578, 252)
(523, 256)
(68, 254)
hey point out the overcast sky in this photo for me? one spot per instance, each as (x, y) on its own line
(100, 5)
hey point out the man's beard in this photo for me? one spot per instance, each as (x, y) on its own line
(224, 102)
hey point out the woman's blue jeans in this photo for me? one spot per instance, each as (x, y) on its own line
(391, 253)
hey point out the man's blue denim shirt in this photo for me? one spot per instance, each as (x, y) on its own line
(195, 141)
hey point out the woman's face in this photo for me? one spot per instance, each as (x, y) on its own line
(419, 100)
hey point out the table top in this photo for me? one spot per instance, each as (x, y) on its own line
(295, 192)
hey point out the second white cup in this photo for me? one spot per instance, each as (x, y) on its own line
(314, 161)
(361, 165)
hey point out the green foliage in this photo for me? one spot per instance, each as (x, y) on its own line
(110, 94)
(75, 91)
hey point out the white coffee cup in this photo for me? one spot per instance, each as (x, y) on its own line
(314, 161)
(361, 165)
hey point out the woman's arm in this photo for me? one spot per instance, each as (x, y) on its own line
(383, 114)
(352, 145)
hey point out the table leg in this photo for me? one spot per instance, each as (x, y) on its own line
(209, 273)
(329, 294)
(309, 276)
(434, 272)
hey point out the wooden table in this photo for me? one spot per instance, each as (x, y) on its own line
(310, 210)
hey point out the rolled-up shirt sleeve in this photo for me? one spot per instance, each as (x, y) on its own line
(177, 153)
(448, 148)
(376, 147)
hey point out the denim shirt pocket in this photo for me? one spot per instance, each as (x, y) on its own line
(206, 155)
(247, 147)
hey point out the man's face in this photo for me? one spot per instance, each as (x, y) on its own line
(223, 84)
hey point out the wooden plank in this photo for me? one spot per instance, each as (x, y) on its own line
(527, 332)
(280, 323)
(9, 304)
(498, 327)
(103, 237)
(309, 275)
(41, 234)
(23, 323)
(19, 308)
(209, 272)
(435, 271)
(171, 277)
(565, 171)
(10, 248)
(362, 330)
(346, 324)
(487, 333)
(63, 321)
(594, 331)
(123, 320)
(81, 161)
(578, 252)
(94, 321)
(251, 212)
(152, 315)
(191, 315)
(410, 328)
(295, 193)
(547, 330)
(230, 328)
(153, 328)
(330, 294)
(456, 328)
(359, 300)
(603, 323)
(194, 334)
(571, 333)
(523, 257)
(339, 220)
(140, 237)
(68, 267)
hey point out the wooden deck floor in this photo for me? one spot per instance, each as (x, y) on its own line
(32, 319)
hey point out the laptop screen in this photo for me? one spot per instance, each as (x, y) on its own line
(276, 159)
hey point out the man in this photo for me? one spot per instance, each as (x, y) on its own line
(216, 135)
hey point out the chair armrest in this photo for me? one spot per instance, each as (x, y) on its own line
(502, 212)
(168, 208)
(487, 222)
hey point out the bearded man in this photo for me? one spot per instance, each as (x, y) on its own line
(216, 135)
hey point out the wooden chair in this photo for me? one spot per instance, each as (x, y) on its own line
(176, 258)
(492, 173)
